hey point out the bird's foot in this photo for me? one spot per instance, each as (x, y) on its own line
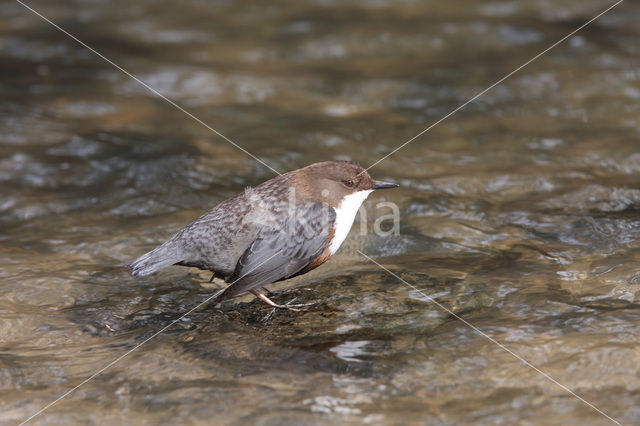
(297, 307)
(288, 305)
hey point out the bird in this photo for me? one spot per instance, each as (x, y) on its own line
(280, 229)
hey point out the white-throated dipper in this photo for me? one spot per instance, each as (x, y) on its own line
(282, 228)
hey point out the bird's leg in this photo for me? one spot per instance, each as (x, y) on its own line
(269, 302)
(266, 290)
(213, 277)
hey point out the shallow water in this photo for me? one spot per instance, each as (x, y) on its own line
(520, 213)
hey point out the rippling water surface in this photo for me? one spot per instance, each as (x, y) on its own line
(520, 213)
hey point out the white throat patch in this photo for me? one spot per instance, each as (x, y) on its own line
(345, 214)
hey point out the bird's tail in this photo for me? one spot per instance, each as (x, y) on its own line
(165, 255)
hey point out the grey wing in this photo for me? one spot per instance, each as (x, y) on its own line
(278, 254)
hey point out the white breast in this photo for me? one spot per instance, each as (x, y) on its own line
(345, 214)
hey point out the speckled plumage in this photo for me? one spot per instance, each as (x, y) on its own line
(216, 240)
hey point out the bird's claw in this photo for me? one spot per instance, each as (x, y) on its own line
(289, 306)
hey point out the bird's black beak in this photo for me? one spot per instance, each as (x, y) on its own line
(384, 185)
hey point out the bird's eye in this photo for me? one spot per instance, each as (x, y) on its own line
(348, 183)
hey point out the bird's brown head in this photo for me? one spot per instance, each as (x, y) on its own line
(331, 181)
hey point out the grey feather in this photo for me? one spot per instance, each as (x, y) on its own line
(281, 253)
(218, 238)
(165, 255)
